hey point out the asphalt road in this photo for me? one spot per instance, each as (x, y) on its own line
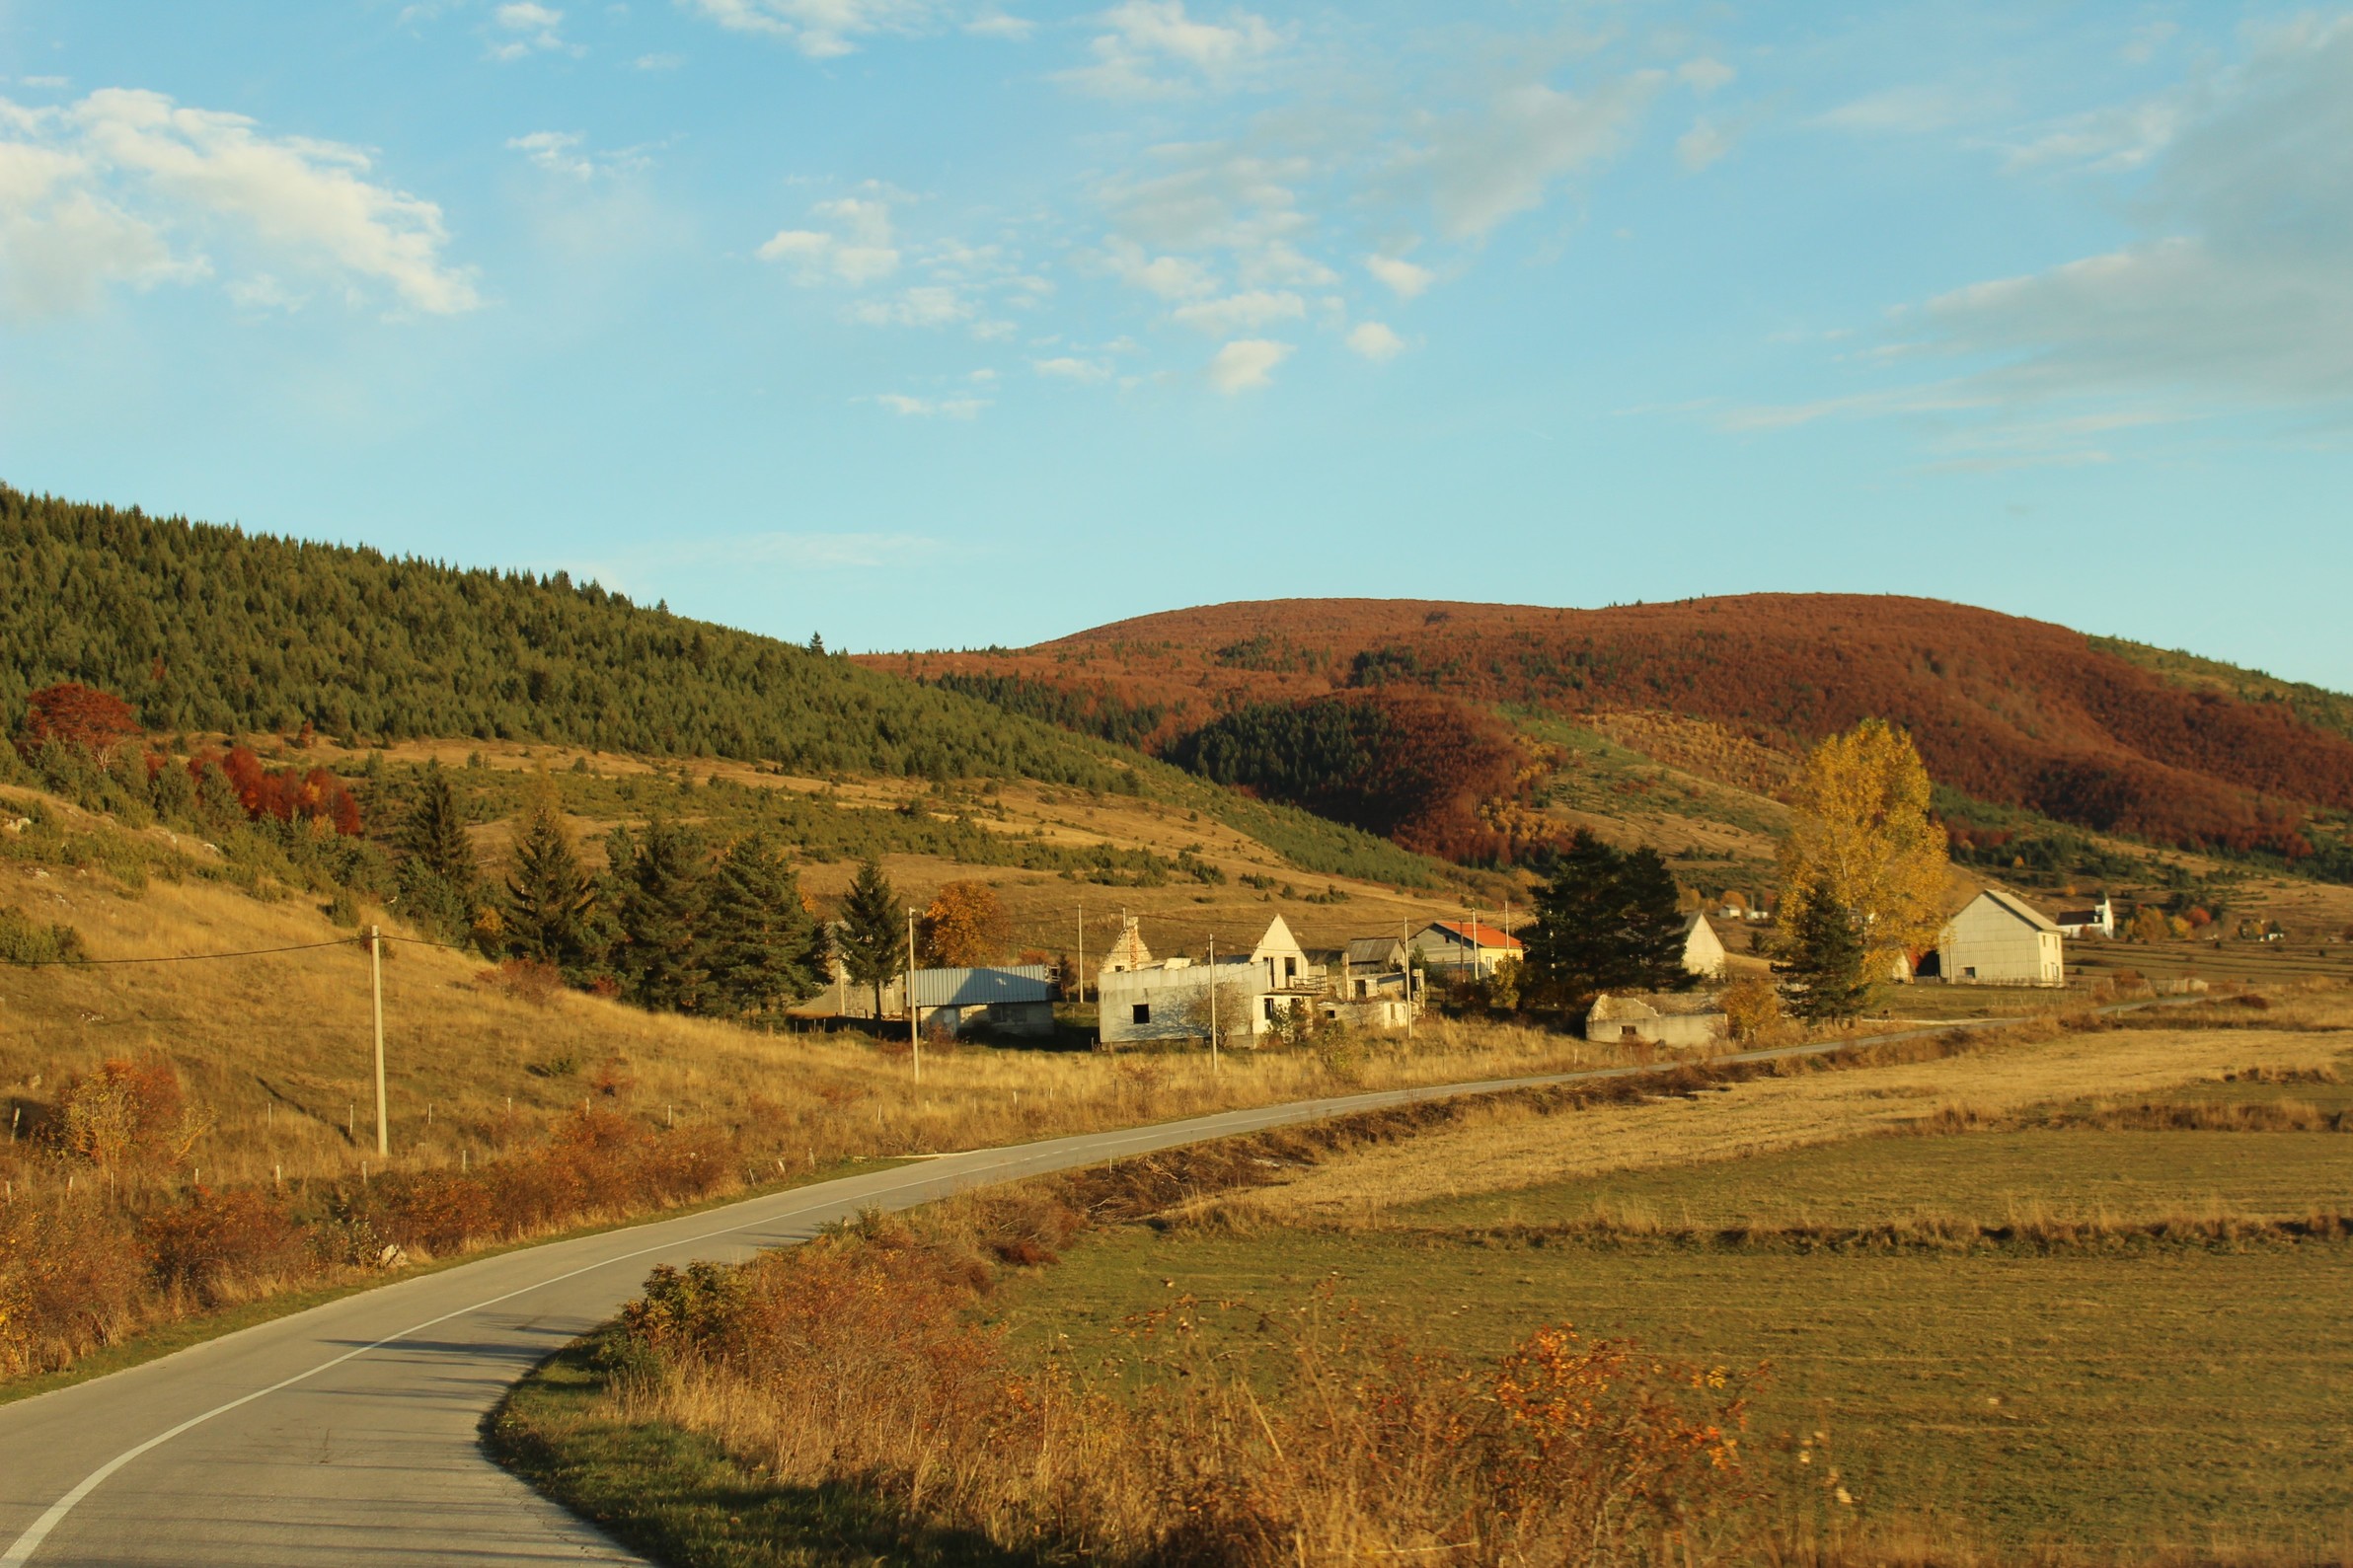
(347, 1434)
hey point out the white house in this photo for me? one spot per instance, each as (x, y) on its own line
(1464, 946)
(1169, 1000)
(2000, 940)
(1013, 999)
(1702, 949)
(2098, 920)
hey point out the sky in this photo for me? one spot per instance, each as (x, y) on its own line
(960, 323)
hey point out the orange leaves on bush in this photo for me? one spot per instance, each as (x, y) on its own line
(216, 1238)
(78, 718)
(126, 1110)
(287, 794)
(965, 928)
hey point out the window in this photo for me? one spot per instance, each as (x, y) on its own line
(1290, 969)
(1969, 973)
(1143, 1012)
(1270, 1010)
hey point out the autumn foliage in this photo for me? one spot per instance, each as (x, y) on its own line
(966, 926)
(286, 793)
(78, 718)
(2022, 712)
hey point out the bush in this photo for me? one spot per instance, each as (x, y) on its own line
(124, 1110)
(25, 941)
(215, 1241)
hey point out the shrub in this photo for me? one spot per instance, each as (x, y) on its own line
(70, 1276)
(25, 941)
(215, 1241)
(124, 1110)
(525, 980)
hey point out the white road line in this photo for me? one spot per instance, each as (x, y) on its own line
(30, 1541)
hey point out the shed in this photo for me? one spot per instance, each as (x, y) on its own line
(1016, 999)
(2000, 940)
(1688, 1018)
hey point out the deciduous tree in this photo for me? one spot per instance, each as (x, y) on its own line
(964, 928)
(79, 718)
(1863, 841)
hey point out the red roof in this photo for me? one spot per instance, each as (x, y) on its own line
(1479, 932)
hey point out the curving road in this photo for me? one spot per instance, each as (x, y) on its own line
(347, 1434)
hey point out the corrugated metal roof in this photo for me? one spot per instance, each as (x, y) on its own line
(2019, 907)
(1374, 949)
(972, 988)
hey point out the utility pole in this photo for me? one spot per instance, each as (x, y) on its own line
(376, 986)
(1081, 976)
(1213, 1007)
(914, 1036)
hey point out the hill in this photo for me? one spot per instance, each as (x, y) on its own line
(207, 628)
(2021, 713)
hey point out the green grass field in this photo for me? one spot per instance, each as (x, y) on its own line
(2112, 1397)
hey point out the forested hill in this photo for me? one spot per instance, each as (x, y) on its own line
(2022, 713)
(208, 628)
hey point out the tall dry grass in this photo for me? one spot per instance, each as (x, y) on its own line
(856, 1362)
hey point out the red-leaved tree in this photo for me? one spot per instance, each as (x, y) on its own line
(78, 718)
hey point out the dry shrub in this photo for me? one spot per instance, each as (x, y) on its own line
(126, 1111)
(218, 1244)
(71, 1277)
(857, 1360)
(525, 980)
(1753, 1011)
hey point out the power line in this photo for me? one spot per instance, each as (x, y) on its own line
(196, 958)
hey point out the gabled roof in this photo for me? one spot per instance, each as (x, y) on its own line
(1476, 932)
(2005, 900)
(1278, 940)
(1374, 949)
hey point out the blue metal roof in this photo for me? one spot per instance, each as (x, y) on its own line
(972, 988)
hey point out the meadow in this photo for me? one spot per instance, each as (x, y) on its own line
(2065, 1295)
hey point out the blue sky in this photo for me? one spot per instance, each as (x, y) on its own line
(938, 322)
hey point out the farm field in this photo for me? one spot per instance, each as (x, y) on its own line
(2048, 1335)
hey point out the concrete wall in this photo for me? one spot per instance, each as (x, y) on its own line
(1985, 945)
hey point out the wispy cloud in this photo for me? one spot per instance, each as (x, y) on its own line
(822, 29)
(1156, 48)
(523, 28)
(1375, 341)
(1247, 365)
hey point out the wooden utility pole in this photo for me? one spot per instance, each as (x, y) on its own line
(1081, 976)
(376, 986)
(914, 1035)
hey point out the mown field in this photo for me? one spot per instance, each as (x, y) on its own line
(2052, 1333)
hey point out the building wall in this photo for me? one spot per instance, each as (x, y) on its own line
(1985, 945)
(1170, 996)
(1695, 1030)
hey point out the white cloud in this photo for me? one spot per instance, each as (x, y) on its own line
(1901, 112)
(523, 28)
(1247, 363)
(128, 186)
(1701, 145)
(1705, 76)
(47, 83)
(1405, 280)
(1154, 49)
(1070, 368)
(997, 25)
(926, 407)
(1238, 312)
(856, 248)
(1486, 167)
(1375, 341)
(2238, 298)
(928, 305)
(556, 151)
(658, 63)
(1168, 277)
(821, 30)
(2122, 137)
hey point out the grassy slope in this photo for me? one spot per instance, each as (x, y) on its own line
(2114, 1396)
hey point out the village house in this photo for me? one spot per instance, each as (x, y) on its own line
(1465, 947)
(1015, 1000)
(2098, 920)
(1142, 1001)
(2000, 940)
(1681, 1019)
(1702, 949)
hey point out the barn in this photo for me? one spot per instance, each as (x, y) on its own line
(2000, 940)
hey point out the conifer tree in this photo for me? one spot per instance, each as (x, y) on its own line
(764, 949)
(551, 899)
(1608, 920)
(1825, 977)
(662, 882)
(872, 939)
(438, 871)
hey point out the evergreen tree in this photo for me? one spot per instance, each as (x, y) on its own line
(437, 872)
(872, 939)
(1608, 920)
(662, 882)
(551, 899)
(764, 949)
(1825, 977)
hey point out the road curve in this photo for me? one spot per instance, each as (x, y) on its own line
(347, 1434)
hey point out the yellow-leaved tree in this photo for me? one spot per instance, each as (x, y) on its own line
(967, 928)
(1863, 842)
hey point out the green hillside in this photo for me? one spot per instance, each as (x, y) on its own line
(205, 627)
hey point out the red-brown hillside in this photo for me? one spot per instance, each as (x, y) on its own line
(2009, 710)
